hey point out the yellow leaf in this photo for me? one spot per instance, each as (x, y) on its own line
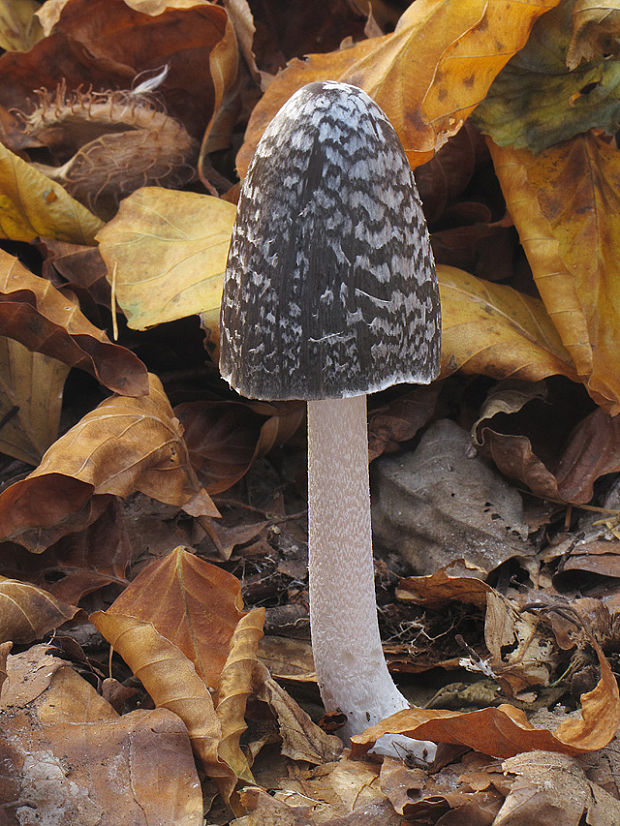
(31, 205)
(427, 76)
(565, 203)
(19, 27)
(166, 254)
(493, 330)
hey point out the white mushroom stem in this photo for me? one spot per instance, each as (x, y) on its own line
(346, 644)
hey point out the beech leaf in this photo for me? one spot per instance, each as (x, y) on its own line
(38, 315)
(123, 445)
(166, 254)
(28, 612)
(505, 731)
(493, 330)
(427, 76)
(569, 234)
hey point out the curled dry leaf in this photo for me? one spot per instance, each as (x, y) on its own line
(428, 75)
(30, 402)
(197, 606)
(166, 254)
(570, 234)
(52, 719)
(124, 445)
(235, 686)
(493, 330)
(596, 26)
(171, 680)
(35, 313)
(400, 420)
(439, 588)
(27, 613)
(505, 731)
(33, 205)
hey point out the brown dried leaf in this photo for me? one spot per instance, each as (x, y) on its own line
(53, 719)
(195, 605)
(166, 254)
(301, 738)
(569, 235)
(5, 650)
(436, 590)
(30, 401)
(235, 686)
(427, 76)
(505, 731)
(171, 680)
(399, 420)
(125, 444)
(27, 612)
(35, 313)
(78, 563)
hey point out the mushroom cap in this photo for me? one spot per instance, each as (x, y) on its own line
(330, 288)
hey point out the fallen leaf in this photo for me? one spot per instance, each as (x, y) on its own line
(66, 750)
(400, 420)
(543, 98)
(547, 785)
(35, 313)
(171, 680)
(568, 234)
(32, 205)
(505, 731)
(427, 76)
(235, 686)
(30, 402)
(27, 612)
(166, 254)
(594, 31)
(19, 27)
(123, 445)
(493, 330)
(77, 564)
(302, 739)
(198, 608)
(436, 590)
(438, 506)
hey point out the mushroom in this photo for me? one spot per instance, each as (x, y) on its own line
(330, 293)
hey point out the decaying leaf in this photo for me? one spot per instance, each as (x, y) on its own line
(35, 313)
(30, 402)
(198, 608)
(543, 97)
(166, 254)
(438, 64)
(235, 686)
(123, 445)
(67, 751)
(505, 731)
(594, 31)
(27, 612)
(171, 680)
(569, 234)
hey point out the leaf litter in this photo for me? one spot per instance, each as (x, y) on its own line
(152, 524)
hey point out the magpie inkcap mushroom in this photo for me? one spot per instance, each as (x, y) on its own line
(330, 293)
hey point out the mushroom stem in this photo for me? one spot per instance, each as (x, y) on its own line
(346, 643)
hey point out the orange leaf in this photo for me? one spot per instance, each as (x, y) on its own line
(505, 731)
(194, 604)
(427, 76)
